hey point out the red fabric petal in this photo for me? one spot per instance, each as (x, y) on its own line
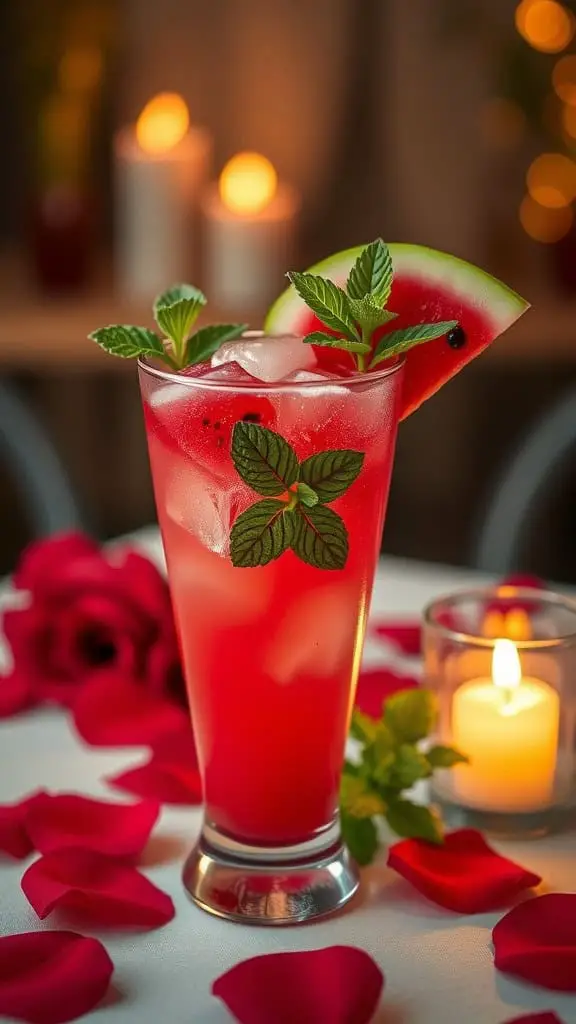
(336, 985)
(375, 685)
(14, 837)
(51, 977)
(44, 558)
(406, 635)
(545, 1017)
(536, 941)
(171, 775)
(97, 887)
(112, 711)
(69, 820)
(17, 694)
(464, 874)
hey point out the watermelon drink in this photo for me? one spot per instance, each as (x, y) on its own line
(271, 652)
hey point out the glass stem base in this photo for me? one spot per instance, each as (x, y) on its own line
(270, 886)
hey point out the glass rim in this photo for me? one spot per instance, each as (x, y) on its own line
(525, 594)
(173, 377)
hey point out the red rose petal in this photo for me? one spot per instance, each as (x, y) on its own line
(16, 694)
(112, 711)
(51, 977)
(406, 635)
(69, 820)
(14, 837)
(97, 887)
(546, 1017)
(43, 558)
(336, 985)
(464, 874)
(536, 941)
(375, 685)
(160, 780)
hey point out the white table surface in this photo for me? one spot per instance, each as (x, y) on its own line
(438, 966)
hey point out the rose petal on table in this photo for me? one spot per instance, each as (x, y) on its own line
(464, 874)
(336, 985)
(536, 941)
(544, 1017)
(16, 693)
(112, 711)
(51, 977)
(68, 820)
(505, 603)
(375, 685)
(42, 559)
(165, 781)
(406, 635)
(99, 888)
(14, 837)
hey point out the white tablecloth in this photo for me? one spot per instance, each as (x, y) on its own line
(438, 966)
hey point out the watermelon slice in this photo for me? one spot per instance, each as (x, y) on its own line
(428, 286)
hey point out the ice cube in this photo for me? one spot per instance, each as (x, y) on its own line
(230, 373)
(316, 635)
(269, 359)
(169, 393)
(199, 502)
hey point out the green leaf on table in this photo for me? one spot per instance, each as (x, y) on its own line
(177, 309)
(331, 473)
(411, 714)
(445, 757)
(363, 727)
(328, 301)
(127, 342)
(331, 341)
(306, 495)
(320, 537)
(207, 340)
(360, 836)
(396, 342)
(264, 460)
(261, 533)
(412, 821)
(409, 766)
(358, 799)
(369, 314)
(372, 273)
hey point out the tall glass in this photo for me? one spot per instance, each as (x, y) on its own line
(271, 653)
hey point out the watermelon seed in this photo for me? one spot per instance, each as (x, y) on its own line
(252, 417)
(217, 425)
(205, 422)
(456, 338)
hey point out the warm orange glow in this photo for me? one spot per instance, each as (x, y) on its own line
(569, 121)
(248, 183)
(545, 24)
(506, 670)
(518, 625)
(502, 123)
(80, 69)
(163, 123)
(544, 224)
(551, 180)
(564, 79)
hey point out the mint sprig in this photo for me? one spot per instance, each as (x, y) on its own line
(294, 513)
(354, 313)
(175, 311)
(391, 761)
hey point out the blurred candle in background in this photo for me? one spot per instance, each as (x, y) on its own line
(161, 165)
(249, 227)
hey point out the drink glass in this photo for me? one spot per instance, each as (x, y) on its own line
(271, 653)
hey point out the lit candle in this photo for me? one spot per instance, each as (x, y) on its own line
(249, 233)
(508, 726)
(161, 164)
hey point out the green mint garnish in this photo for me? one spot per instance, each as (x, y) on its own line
(354, 313)
(175, 312)
(294, 513)
(391, 761)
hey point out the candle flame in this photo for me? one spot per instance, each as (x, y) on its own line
(248, 183)
(163, 123)
(506, 668)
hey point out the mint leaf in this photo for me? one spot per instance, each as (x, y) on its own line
(360, 836)
(329, 302)
(177, 309)
(409, 767)
(372, 273)
(445, 757)
(410, 714)
(330, 341)
(306, 495)
(206, 341)
(264, 460)
(331, 473)
(261, 533)
(369, 314)
(128, 342)
(362, 727)
(320, 537)
(400, 341)
(411, 821)
(357, 799)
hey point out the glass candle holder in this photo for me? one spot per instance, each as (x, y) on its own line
(503, 665)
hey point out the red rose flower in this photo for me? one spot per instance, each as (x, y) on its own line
(87, 611)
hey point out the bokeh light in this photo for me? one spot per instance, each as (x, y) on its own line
(502, 123)
(163, 123)
(551, 180)
(546, 24)
(564, 79)
(248, 183)
(544, 224)
(569, 121)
